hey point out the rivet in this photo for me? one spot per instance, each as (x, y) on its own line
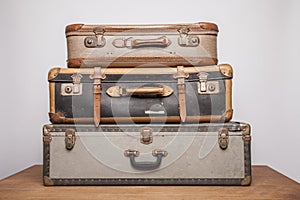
(68, 89)
(90, 41)
(194, 40)
(211, 87)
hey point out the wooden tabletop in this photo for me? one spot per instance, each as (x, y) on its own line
(266, 184)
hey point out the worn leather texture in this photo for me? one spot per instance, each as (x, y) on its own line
(79, 55)
(213, 107)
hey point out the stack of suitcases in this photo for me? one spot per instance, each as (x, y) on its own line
(144, 105)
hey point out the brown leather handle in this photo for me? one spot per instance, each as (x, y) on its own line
(131, 42)
(117, 91)
(145, 91)
(160, 42)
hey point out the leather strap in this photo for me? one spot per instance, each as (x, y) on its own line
(97, 76)
(180, 76)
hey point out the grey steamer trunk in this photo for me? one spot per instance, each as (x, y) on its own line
(145, 154)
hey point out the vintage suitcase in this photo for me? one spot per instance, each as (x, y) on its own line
(152, 154)
(136, 45)
(143, 95)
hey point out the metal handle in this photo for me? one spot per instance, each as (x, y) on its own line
(117, 91)
(137, 43)
(145, 165)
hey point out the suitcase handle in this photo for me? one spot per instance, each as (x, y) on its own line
(145, 165)
(139, 43)
(117, 91)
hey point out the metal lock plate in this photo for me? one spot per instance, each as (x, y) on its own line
(223, 138)
(96, 41)
(70, 139)
(72, 89)
(186, 40)
(211, 87)
(146, 136)
(205, 86)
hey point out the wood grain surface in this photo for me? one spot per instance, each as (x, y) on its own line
(267, 184)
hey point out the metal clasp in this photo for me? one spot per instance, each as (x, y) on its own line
(185, 39)
(146, 135)
(202, 81)
(70, 139)
(223, 138)
(72, 89)
(96, 41)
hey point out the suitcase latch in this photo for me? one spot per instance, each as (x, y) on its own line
(70, 139)
(146, 135)
(202, 81)
(205, 86)
(223, 138)
(186, 40)
(96, 41)
(72, 89)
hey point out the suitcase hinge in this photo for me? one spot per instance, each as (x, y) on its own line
(186, 40)
(70, 139)
(72, 89)
(146, 135)
(96, 41)
(223, 138)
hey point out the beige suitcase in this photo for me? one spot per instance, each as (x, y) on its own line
(142, 45)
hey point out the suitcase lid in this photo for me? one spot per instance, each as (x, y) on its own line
(192, 28)
(144, 74)
(231, 126)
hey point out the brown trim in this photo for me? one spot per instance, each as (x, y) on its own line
(229, 110)
(53, 73)
(140, 70)
(209, 26)
(47, 181)
(52, 96)
(140, 61)
(73, 27)
(226, 70)
(58, 118)
(246, 181)
(194, 27)
(75, 62)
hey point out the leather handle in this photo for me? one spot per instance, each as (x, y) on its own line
(145, 91)
(117, 91)
(131, 42)
(145, 165)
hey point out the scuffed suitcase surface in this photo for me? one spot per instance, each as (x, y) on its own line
(136, 45)
(193, 155)
(212, 105)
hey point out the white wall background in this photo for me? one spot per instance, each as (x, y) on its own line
(260, 38)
